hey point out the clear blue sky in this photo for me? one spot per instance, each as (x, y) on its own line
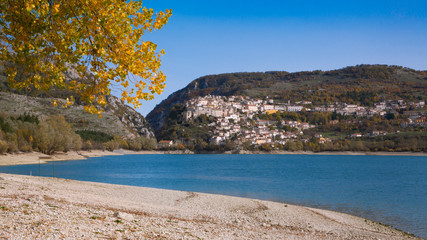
(211, 37)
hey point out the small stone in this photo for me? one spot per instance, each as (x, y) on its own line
(124, 216)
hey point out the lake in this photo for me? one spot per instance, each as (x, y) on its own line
(387, 189)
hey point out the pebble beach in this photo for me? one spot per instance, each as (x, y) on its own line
(51, 208)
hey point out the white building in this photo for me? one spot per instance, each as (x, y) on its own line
(295, 108)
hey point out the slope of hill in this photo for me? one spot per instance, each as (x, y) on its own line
(362, 85)
(117, 118)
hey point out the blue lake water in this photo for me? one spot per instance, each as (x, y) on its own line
(387, 189)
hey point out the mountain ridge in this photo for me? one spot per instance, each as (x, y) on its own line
(370, 82)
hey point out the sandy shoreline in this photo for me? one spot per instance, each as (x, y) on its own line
(51, 208)
(36, 157)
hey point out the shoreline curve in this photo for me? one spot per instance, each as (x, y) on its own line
(43, 207)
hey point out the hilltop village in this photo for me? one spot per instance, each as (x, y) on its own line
(242, 119)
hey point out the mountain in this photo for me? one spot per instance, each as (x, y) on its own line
(117, 118)
(362, 85)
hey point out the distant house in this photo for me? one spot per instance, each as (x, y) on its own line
(280, 107)
(356, 135)
(252, 108)
(262, 122)
(324, 140)
(295, 108)
(165, 143)
(421, 119)
(268, 107)
(420, 104)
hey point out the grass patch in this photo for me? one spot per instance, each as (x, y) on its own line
(96, 136)
(52, 206)
(97, 217)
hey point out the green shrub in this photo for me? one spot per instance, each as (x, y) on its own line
(98, 145)
(55, 134)
(95, 136)
(25, 135)
(77, 142)
(180, 146)
(25, 147)
(122, 143)
(266, 147)
(3, 147)
(87, 145)
(29, 118)
(12, 147)
(142, 143)
(5, 125)
(111, 145)
(134, 145)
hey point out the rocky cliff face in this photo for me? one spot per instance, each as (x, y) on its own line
(117, 118)
(130, 118)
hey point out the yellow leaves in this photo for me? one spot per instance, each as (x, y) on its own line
(55, 8)
(69, 102)
(102, 101)
(29, 6)
(99, 39)
(12, 73)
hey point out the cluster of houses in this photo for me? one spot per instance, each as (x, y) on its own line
(256, 132)
(235, 116)
(235, 106)
(220, 106)
(235, 119)
(371, 134)
(380, 108)
(414, 119)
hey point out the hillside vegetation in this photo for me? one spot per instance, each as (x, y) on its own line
(119, 126)
(362, 85)
(360, 108)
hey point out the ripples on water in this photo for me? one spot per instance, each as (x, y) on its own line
(387, 189)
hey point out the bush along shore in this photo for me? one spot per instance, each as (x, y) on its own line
(27, 133)
(53, 135)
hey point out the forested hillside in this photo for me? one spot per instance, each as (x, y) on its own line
(360, 108)
(362, 84)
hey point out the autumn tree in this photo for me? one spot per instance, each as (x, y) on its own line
(40, 40)
(55, 134)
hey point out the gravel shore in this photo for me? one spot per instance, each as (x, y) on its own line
(37, 157)
(51, 208)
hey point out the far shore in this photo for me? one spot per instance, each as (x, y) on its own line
(40, 158)
(339, 153)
